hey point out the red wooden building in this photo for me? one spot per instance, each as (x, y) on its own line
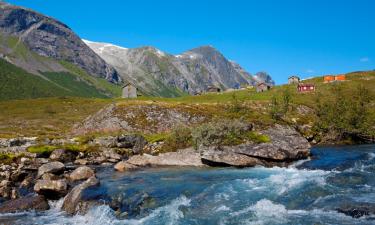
(306, 87)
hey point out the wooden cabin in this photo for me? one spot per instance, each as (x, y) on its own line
(306, 88)
(262, 87)
(129, 91)
(294, 80)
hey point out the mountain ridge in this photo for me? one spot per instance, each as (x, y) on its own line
(190, 72)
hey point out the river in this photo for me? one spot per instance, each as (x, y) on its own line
(308, 192)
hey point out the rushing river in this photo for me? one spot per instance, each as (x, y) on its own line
(308, 192)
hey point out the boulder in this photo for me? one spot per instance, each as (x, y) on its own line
(357, 210)
(63, 155)
(228, 158)
(37, 203)
(73, 200)
(81, 162)
(134, 141)
(81, 173)
(186, 157)
(52, 167)
(51, 189)
(125, 166)
(286, 145)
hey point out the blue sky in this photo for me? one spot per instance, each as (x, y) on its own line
(282, 37)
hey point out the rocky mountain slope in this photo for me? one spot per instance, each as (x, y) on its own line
(161, 74)
(46, 37)
(41, 57)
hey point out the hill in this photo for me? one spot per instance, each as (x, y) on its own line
(58, 116)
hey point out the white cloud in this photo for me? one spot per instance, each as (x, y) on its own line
(364, 59)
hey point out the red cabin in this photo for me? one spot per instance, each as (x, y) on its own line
(306, 87)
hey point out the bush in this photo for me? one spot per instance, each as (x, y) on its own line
(179, 138)
(225, 132)
(345, 116)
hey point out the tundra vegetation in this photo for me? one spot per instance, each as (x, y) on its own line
(343, 111)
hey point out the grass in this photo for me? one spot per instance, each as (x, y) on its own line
(47, 117)
(42, 149)
(55, 117)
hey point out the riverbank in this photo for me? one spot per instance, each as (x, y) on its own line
(335, 177)
(52, 172)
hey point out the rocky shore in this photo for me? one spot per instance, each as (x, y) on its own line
(31, 179)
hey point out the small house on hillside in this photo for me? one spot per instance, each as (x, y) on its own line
(329, 78)
(294, 80)
(213, 89)
(306, 87)
(129, 91)
(340, 77)
(262, 87)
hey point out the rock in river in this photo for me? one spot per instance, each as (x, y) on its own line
(52, 167)
(81, 173)
(186, 157)
(73, 201)
(37, 203)
(51, 189)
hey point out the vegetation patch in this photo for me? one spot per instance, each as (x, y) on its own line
(7, 158)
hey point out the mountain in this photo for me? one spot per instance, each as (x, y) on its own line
(161, 74)
(44, 48)
(264, 77)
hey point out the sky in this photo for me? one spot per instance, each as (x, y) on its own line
(282, 37)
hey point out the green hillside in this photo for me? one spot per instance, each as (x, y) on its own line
(16, 83)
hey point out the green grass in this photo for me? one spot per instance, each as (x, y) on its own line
(99, 83)
(16, 83)
(42, 149)
(75, 85)
(47, 117)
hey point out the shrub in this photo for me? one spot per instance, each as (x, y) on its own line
(225, 132)
(179, 138)
(346, 117)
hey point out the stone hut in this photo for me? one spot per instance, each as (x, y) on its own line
(294, 80)
(213, 89)
(129, 91)
(262, 87)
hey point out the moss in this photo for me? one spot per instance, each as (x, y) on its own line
(42, 149)
(7, 158)
(153, 138)
(257, 138)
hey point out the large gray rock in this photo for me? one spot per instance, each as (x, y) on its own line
(73, 200)
(286, 146)
(63, 155)
(228, 158)
(51, 189)
(186, 157)
(37, 203)
(134, 141)
(81, 173)
(125, 166)
(52, 167)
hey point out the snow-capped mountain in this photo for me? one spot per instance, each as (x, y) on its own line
(161, 74)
